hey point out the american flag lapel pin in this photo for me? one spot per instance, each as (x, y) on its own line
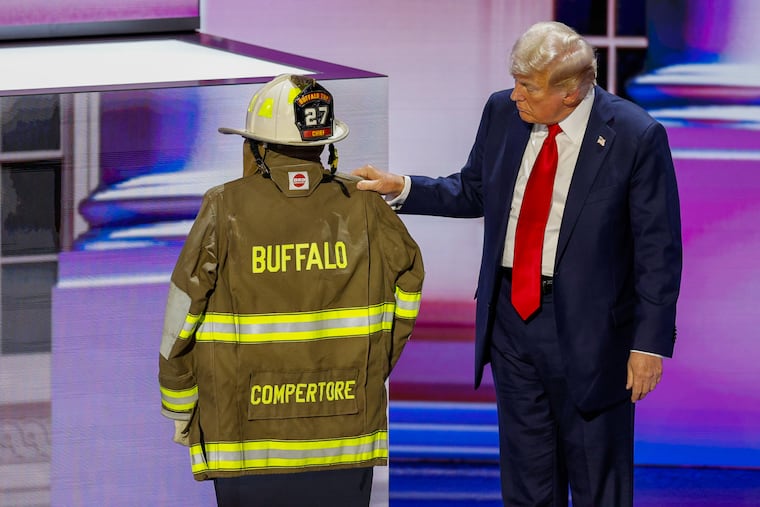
(600, 141)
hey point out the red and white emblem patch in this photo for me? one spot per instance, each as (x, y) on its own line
(298, 180)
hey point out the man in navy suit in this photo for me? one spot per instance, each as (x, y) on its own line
(567, 373)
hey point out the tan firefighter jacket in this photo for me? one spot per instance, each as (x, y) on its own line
(290, 303)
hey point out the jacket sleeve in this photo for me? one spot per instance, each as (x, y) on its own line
(403, 261)
(192, 283)
(658, 256)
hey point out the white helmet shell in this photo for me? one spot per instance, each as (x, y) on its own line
(292, 110)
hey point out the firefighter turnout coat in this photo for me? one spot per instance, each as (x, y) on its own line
(290, 303)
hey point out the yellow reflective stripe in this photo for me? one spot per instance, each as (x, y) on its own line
(259, 454)
(295, 317)
(269, 463)
(302, 326)
(407, 304)
(189, 326)
(208, 333)
(179, 400)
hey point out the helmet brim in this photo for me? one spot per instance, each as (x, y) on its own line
(341, 131)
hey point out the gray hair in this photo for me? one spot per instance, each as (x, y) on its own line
(554, 47)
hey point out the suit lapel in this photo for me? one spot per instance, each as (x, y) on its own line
(517, 134)
(597, 142)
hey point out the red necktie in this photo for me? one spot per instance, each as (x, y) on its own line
(531, 224)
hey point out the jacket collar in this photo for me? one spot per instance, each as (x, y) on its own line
(597, 143)
(295, 172)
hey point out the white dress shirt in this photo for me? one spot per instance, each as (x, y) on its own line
(568, 147)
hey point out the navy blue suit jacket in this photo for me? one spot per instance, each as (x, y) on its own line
(618, 261)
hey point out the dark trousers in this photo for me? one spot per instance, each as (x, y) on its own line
(545, 442)
(329, 488)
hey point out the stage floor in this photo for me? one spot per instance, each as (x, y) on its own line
(446, 484)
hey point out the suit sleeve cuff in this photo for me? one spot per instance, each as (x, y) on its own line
(648, 353)
(399, 200)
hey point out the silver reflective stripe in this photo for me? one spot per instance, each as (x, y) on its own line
(407, 304)
(288, 453)
(175, 319)
(179, 400)
(296, 326)
(191, 321)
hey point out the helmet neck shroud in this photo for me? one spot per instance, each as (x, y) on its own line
(281, 162)
(260, 149)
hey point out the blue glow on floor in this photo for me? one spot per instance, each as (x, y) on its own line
(469, 432)
(429, 484)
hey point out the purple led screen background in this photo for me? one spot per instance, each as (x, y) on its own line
(37, 12)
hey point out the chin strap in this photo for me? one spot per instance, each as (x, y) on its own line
(332, 160)
(259, 159)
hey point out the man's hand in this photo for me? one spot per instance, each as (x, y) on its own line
(644, 373)
(379, 181)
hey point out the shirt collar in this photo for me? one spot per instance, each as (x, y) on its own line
(575, 124)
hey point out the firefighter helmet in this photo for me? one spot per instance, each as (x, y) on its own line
(292, 110)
